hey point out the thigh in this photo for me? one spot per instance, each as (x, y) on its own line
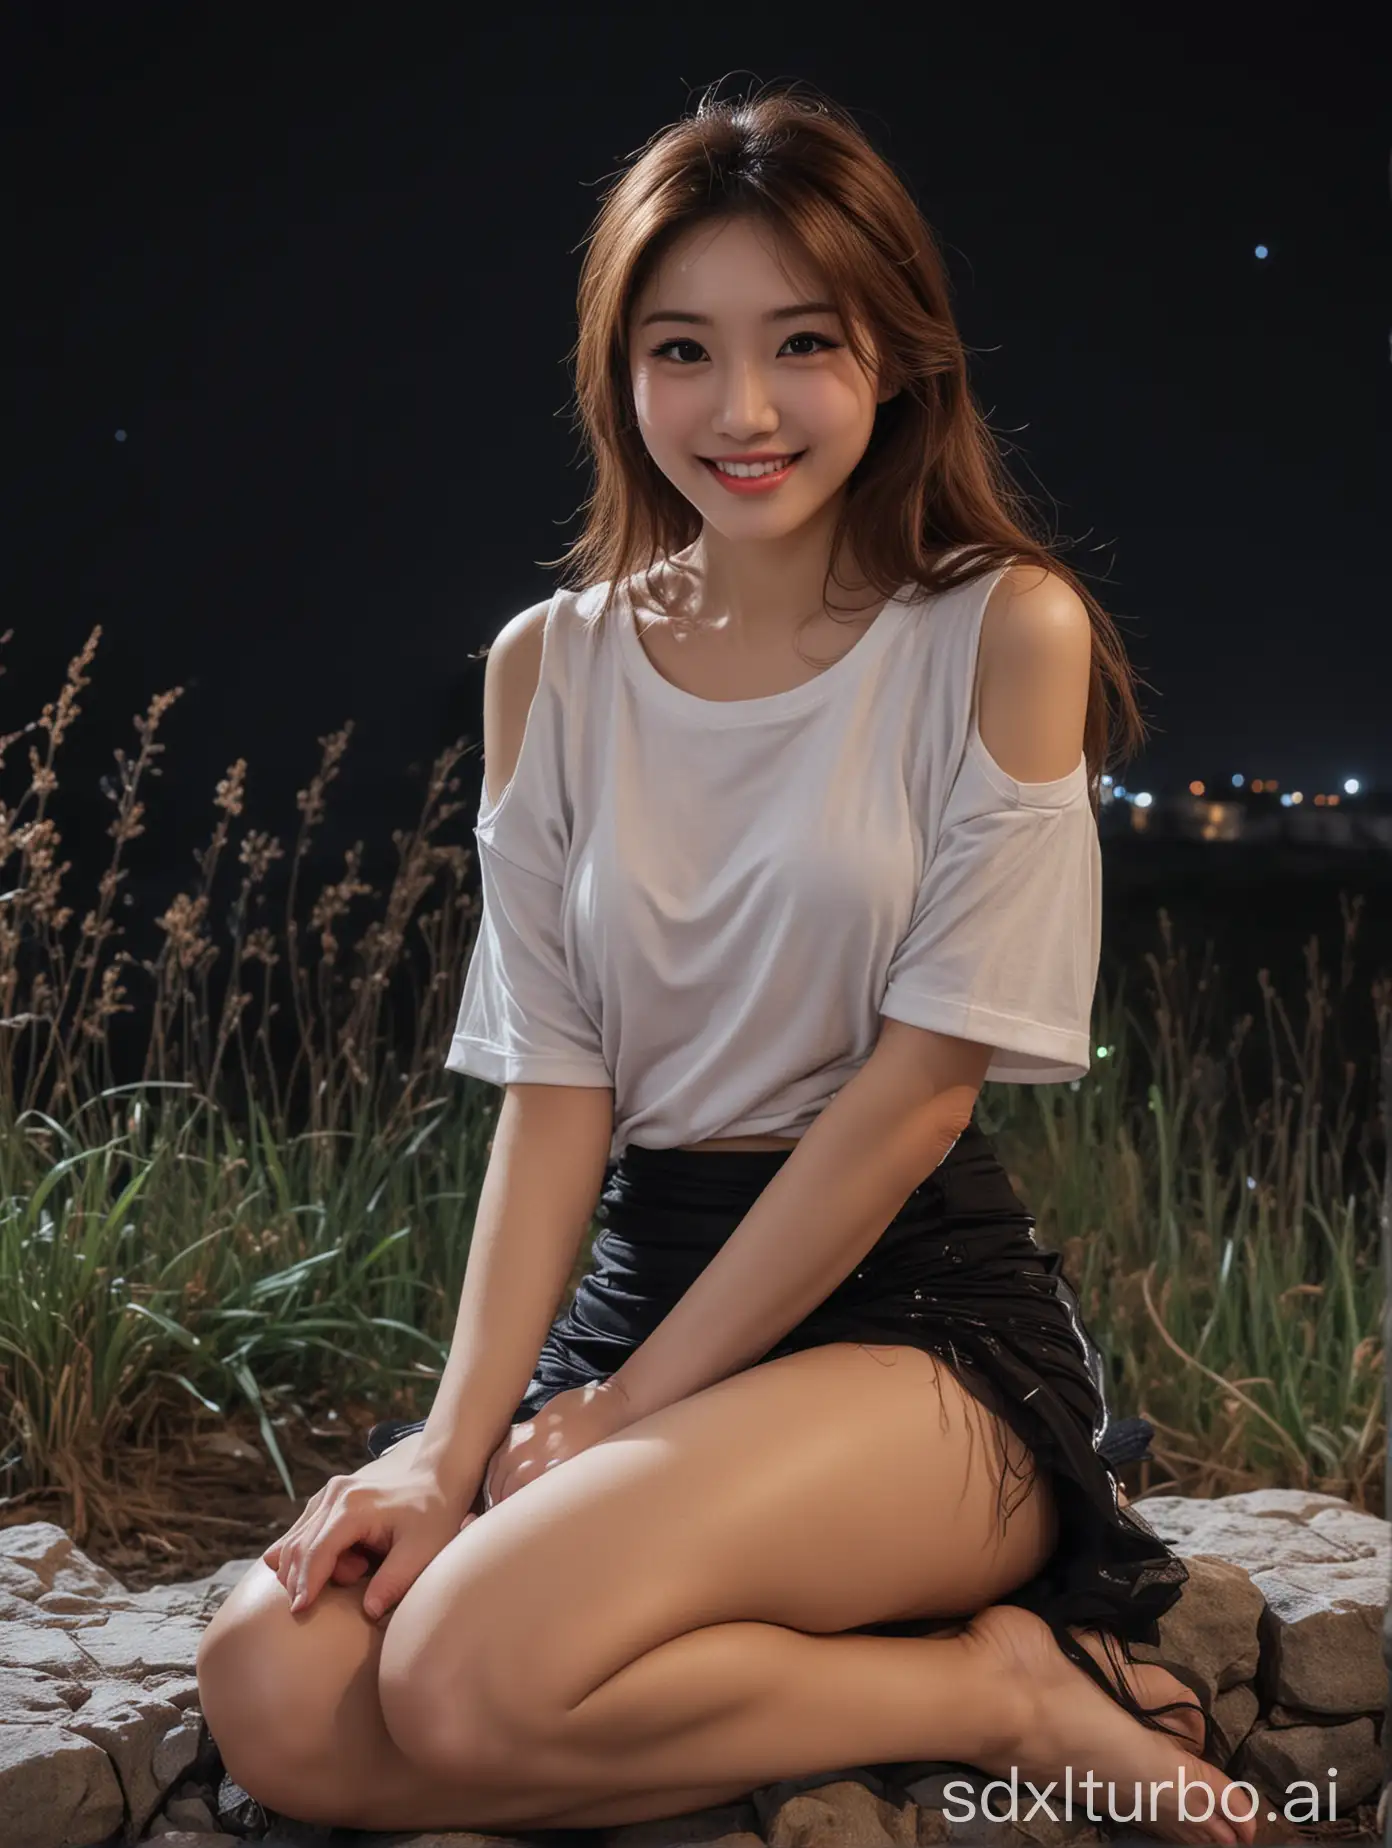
(835, 1487)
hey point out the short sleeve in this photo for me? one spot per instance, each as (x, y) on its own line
(1004, 938)
(520, 1019)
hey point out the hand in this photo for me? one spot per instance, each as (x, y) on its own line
(567, 1424)
(396, 1510)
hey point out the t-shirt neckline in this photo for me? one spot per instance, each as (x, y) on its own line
(792, 700)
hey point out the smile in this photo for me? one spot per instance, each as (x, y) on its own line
(756, 477)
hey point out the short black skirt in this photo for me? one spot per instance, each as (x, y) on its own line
(957, 1272)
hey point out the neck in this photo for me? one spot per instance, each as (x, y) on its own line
(766, 587)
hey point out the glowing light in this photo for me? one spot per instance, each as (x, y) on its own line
(1238, 781)
(1102, 1051)
(120, 436)
(1285, 801)
(1296, 796)
(1196, 788)
(1351, 786)
(1145, 799)
(1262, 250)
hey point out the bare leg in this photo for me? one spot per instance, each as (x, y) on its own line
(763, 1703)
(701, 1720)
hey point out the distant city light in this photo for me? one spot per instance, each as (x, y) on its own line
(1351, 785)
(1102, 1051)
(1296, 796)
(1106, 782)
(120, 436)
(1262, 250)
(1145, 799)
(1196, 788)
(1238, 781)
(1285, 801)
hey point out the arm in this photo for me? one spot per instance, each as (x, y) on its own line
(880, 1136)
(891, 1125)
(544, 1177)
(545, 1170)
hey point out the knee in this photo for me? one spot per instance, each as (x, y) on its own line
(254, 1688)
(445, 1713)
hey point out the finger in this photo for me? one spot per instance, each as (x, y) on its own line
(393, 1579)
(309, 1551)
(292, 1551)
(320, 1557)
(273, 1552)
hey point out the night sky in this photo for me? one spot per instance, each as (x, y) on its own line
(319, 265)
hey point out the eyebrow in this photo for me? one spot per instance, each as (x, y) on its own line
(774, 314)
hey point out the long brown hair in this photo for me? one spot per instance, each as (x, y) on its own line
(932, 478)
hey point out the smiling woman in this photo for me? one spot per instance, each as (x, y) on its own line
(733, 1497)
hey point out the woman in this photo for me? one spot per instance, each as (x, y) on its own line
(758, 923)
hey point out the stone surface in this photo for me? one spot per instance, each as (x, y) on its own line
(1273, 1759)
(1209, 1639)
(1280, 1631)
(1322, 1570)
(1234, 1713)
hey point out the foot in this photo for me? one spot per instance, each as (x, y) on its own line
(1067, 1721)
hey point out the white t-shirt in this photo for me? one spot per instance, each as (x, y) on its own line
(708, 904)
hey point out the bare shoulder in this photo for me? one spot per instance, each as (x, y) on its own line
(512, 667)
(1034, 673)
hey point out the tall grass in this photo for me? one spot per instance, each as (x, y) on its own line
(1225, 1244)
(233, 1173)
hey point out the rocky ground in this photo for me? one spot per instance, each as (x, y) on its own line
(1279, 1630)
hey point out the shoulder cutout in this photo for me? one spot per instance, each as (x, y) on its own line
(511, 670)
(1034, 673)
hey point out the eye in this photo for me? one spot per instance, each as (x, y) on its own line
(665, 349)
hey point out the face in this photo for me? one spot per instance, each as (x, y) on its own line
(723, 370)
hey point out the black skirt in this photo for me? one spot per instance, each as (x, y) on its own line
(957, 1272)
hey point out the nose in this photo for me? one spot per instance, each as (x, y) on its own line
(746, 413)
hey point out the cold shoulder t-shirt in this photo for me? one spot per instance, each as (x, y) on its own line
(708, 905)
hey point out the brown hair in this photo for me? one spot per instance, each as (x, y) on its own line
(932, 477)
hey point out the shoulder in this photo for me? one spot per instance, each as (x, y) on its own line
(1035, 614)
(1034, 674)
(511, 670)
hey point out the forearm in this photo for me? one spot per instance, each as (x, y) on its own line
(544, 1176)
(809, 1228)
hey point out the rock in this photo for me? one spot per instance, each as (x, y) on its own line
(190, 1838)
(55, 1787)
(1208, 1640)
(97, 1691)
(190, 1813)
(1274, 1760)
(130, 1727)
(1234, 1714)
(1322, 1570)
(1325, 1644)
(728, 1825)
(841, 1815)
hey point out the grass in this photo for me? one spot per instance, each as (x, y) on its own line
(234, 1175)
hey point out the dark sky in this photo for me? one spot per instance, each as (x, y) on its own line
(320, 265)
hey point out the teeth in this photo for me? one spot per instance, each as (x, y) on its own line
(753, 468)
